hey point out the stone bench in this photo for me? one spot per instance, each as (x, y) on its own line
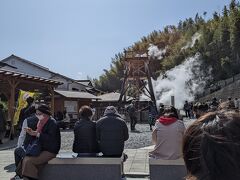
(67, 167)
(167, 169)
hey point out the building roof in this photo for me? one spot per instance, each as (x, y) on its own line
(76, 94)
(2, 64)
(24, 60)
(112, 97)
(37, 65)
(24, 76)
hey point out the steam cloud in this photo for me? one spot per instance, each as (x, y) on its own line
(154, 52)
(183, 82)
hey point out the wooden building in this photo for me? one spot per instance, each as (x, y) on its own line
(11, 82)
(72, 101)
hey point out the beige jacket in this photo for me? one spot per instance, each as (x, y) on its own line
(167, 140)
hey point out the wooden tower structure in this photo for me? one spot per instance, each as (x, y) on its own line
(137, 75)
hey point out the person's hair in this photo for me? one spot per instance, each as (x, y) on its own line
(170, 111)
(85, 111)
(211, 147)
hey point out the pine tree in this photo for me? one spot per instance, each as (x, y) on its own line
(225, 37)
(235, 30)
(225, 11)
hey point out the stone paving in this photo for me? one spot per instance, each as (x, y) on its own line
(137, 162)
(7, 166)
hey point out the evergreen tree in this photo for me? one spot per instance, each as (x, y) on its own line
(235, 30)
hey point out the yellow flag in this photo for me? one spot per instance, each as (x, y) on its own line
(22, 103)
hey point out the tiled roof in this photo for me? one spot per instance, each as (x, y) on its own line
(76, 94)
(112, 97)
(6, 73)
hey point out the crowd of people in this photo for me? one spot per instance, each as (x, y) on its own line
(40, 138)
(210, 146)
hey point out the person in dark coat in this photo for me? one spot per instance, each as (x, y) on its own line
(152, 114)
(48, 134)
(85, 142)
(132, 111)
(187, 108)
(26, 112)
(112, 132)
(2, 123)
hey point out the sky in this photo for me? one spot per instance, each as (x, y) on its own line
(79, 38)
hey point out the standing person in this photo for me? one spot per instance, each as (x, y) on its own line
(48, 134)
(2, 124)
(186, 108)
(167, 135)
(133, 115)
(152, 113)
(26, 112)
(112, 132)
(85, 141)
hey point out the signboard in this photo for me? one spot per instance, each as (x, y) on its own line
(71, 106)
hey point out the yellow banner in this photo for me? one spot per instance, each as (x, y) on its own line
(22, 103)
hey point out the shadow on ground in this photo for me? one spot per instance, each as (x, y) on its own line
(10, 168)
(136, 131)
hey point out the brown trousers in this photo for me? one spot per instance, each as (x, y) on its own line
(31, 165)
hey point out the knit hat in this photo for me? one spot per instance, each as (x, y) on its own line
(44, 109)
(110, 110)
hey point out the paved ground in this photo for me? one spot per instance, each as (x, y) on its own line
(138, 139)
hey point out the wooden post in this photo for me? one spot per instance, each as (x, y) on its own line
(13, 84)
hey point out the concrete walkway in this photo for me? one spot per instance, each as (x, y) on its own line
(137, 162)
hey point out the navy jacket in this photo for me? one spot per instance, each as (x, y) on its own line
(85, 137)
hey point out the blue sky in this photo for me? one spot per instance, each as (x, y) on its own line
(78, 38)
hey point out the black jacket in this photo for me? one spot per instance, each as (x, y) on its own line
(112, 131)
(50, 137)
(85, 137)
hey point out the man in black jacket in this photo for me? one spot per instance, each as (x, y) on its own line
(111, 131)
